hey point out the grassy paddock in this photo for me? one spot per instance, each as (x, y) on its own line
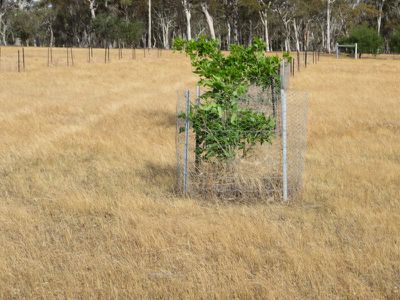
(87, 174)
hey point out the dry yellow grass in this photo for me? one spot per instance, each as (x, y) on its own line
(87, 173)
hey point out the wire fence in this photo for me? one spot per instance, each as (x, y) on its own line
(270, 171)
(20, 59)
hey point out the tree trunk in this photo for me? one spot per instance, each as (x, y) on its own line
(381, 4)
(92, 7)
(209, 19)
(235, 22)
(264, 21)
(51, 36)
(307, 38)
(328, 26)
(3, 30)
(250, 32)
(166, 25)
(228, 38)
(149, 29)
(296, 35)
(287, 36)
(188, 15)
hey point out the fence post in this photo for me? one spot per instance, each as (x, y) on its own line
(298, 61)
(273, 96)
(197, 158)
(19, 62)
(23, 59)
(337, 51)
(356, 51)
(186, 154)
(305, 58)
(284, 136)
(72, 57)
(292, 66)
(67, 57)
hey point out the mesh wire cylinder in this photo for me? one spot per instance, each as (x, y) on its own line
(257, 175)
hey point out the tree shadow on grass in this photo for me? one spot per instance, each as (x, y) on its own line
(159, 179)
(160, 118)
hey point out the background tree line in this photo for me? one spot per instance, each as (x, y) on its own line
(283, 24)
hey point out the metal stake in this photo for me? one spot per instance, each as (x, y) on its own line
(284, 139)
(186, 154)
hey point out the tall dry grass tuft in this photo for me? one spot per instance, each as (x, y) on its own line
(87, 179)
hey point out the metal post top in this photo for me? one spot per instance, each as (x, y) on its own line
(347, 46)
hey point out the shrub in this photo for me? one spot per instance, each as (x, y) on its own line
(367, 38)
(395, 41)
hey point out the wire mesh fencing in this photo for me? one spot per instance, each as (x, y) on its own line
(269, 171)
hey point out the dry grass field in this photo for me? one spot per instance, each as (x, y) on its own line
(87, 178)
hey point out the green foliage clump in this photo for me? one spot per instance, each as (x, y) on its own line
(222, 124)
(25, 24)
(367, 38)
(395, 41)
(109, 28)
(287, 56)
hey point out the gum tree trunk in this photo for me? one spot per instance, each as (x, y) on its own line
(149, 29)
(209, 18)
(188, 15)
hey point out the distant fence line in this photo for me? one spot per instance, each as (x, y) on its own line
(17, 59)
(66, 56)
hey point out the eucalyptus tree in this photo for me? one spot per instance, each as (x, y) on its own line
(187, 7)
(328, 24)
(285, 10)
(265, 10)
(166, 15)
(5, 8)
(210, 21)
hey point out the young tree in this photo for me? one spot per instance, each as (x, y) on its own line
(223, 128)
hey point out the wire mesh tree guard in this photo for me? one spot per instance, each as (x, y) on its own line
(270, 171)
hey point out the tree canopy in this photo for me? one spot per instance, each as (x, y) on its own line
(282, 24)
